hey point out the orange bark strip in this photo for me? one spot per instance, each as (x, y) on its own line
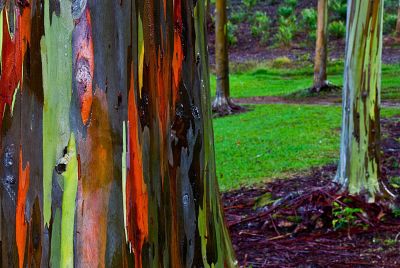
(96, 171)
(84, 63)
(136, 191)
(13, 53)
(21, 225)
(178, 52)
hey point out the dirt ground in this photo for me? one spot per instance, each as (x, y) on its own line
(289, 222)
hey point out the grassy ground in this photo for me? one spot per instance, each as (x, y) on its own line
(275, 140)
(269, 81)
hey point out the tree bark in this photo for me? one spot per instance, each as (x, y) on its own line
(360, 151)
(222, 104)
(398, 21)
(106, 136)
(321, 49)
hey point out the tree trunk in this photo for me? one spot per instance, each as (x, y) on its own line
(106, 136)
(398, 21)
(360, 151)
(222, 105)
(321, 49)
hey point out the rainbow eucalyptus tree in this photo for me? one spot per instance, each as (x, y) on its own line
(106, 136)
(222, 104)
(321, 48)
(360, 151)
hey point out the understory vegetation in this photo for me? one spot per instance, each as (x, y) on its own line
(286, 23)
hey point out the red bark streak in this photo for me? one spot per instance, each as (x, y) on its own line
(96, 171)
(13, 53)
(177, 60)
(178, 53)
(84, 63)
(136, 192)
(21, 225)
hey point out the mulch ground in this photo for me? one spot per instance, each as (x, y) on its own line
(288, 223)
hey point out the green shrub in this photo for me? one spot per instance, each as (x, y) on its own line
(249, 4)
(290, 22)
(231, 33)
(284, 35)
(345, 216)
(238, 16)
(286, 30)
(285, 11)
(309, 22)
(339, 9)
(389, 23)
(292, 3)
(260, 26)
(337, 29)
(309, 18)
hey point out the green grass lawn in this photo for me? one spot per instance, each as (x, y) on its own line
(274, 140)
(267, 81)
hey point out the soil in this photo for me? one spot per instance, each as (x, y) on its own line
(289, 222)
(249, 48)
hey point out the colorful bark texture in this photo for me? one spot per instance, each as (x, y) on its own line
(107, 155)
(360, 151)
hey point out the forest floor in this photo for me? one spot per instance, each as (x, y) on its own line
(304, 221)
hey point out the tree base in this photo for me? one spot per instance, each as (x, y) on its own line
(324, 87)
(222, 106)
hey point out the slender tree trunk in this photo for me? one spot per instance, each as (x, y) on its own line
(107, 155)
(222, 105)
(398, 21)
(321, 50)
(360, 151)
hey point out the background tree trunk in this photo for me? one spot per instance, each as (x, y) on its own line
(398, 21)
(360, 150)
(107, 155)
(321, 49)
(222, 104)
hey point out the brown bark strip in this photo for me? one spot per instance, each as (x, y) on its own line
(96, 165)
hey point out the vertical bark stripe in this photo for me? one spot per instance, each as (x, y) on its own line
(136, 191)
(12, 55)
(70, 177)
(83, 57)
(96, 177)
(56, 51)
(21, 225)
(178, 52)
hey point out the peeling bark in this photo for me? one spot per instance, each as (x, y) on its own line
(360, 150)
(107, 155)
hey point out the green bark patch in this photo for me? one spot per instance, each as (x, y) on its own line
(56, 49)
